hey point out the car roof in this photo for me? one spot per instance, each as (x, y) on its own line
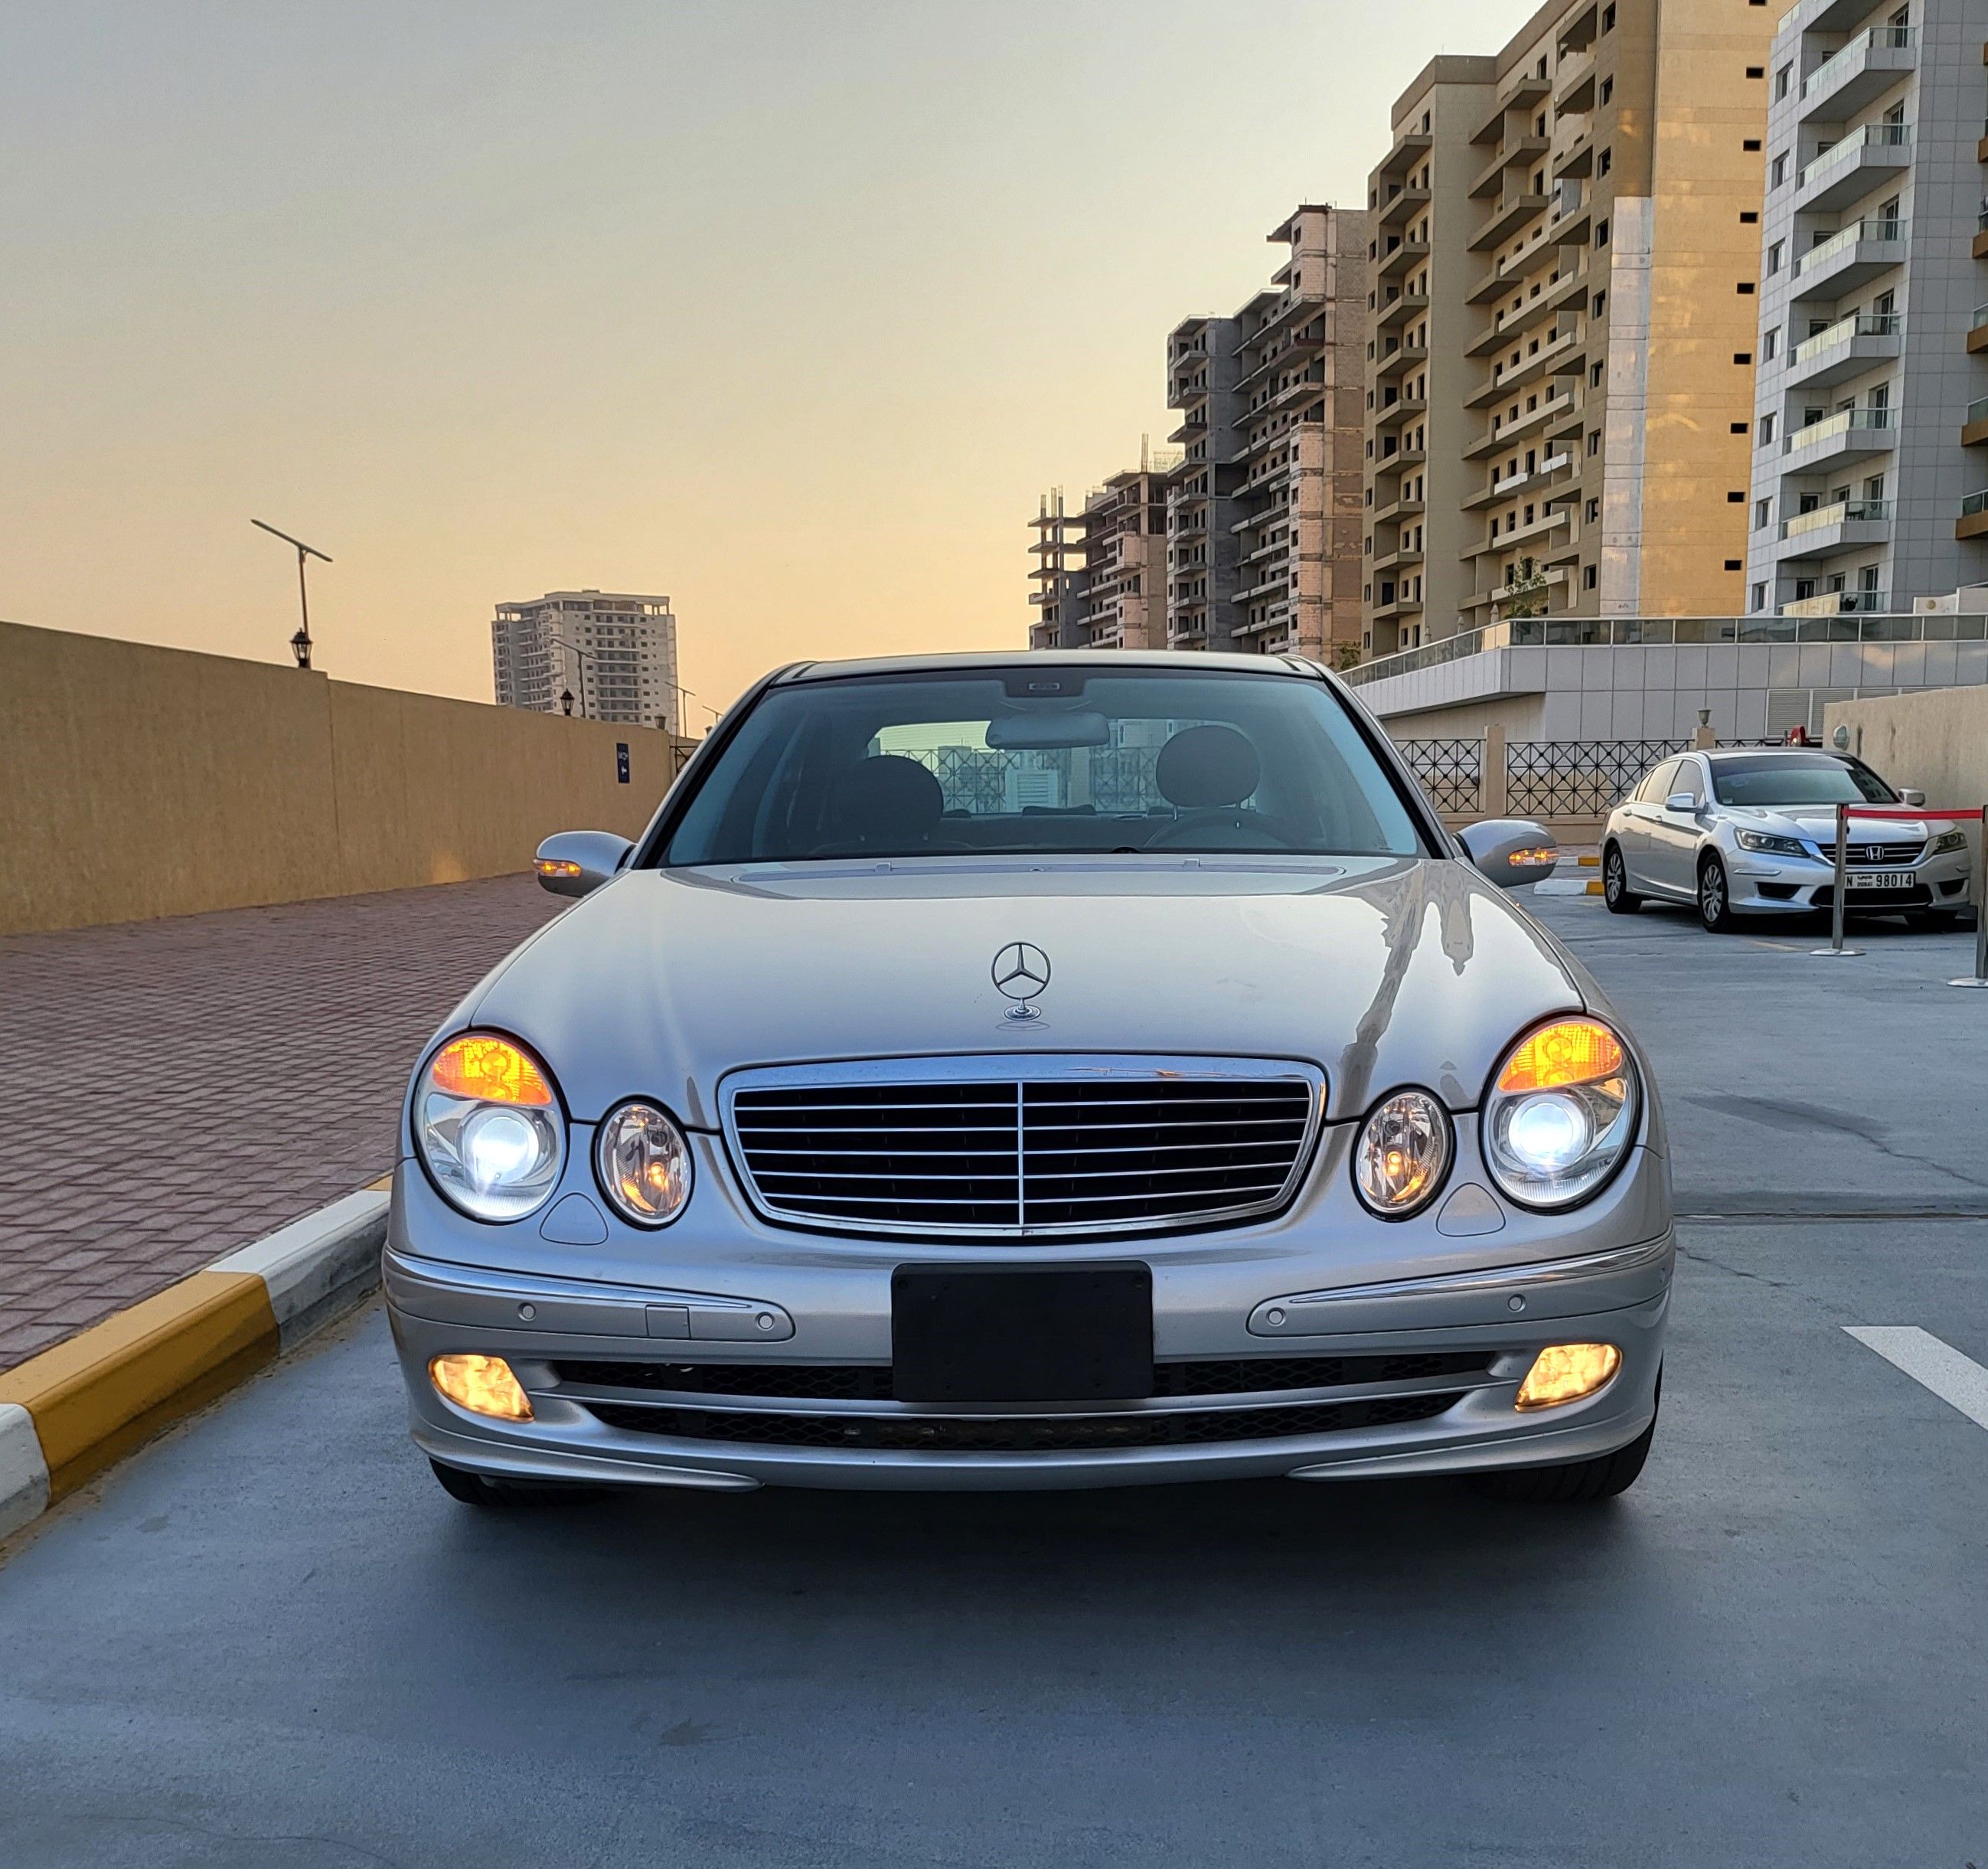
(1186, 662)
(1755, 753)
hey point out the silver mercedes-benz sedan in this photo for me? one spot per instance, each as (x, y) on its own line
(1742, 833)
(1035, 1071)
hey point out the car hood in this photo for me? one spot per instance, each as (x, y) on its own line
(1382, 971)
(1817, 823)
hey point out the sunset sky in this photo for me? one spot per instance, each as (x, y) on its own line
(788, 308)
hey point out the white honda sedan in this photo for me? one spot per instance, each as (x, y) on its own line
(1742, 833)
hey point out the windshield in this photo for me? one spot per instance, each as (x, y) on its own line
(1796, 778)
(1039, 761)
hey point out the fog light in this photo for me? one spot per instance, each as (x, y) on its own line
(1565, 1372)
(484, 1386)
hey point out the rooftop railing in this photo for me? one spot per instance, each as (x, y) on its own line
(1629, 632)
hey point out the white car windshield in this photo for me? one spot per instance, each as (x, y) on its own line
(1042, 760)
(1796, 778)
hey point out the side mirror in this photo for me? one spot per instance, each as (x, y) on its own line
(1911, 794)
(571, 862)
(1682, 802)
(1510, 851)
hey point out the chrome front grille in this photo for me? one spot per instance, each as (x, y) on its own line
(1863, 853)
(1021, 1147)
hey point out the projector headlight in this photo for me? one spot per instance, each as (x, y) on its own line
(1948, 840)
(487, 1125)
(1561, 1113)
(643, 1163)
(1770, 844)
(1402, 1154)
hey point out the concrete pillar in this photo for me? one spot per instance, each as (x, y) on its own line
(1491, 773)
(1703, 739)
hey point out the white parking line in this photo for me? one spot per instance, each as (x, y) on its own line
(1957, 1380)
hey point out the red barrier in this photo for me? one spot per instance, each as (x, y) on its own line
(1888, 811)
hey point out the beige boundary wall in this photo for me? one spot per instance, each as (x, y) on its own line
(1936, 740)
(137, 782)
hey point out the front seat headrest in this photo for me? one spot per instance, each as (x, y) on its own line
(1202, 767)
(886, 795)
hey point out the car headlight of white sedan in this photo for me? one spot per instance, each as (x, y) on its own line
(1561, 1113)
(1768, 844)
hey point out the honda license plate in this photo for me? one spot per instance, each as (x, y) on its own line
(1881, 880)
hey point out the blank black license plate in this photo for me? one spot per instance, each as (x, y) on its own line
(1038, 1333)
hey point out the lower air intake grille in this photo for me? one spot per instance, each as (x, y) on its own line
(1021, 1434)
(1036, 1146)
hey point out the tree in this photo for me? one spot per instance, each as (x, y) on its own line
(1525, 592)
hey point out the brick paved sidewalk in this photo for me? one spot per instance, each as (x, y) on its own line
(176, 1088)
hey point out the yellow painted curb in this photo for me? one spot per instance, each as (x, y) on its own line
(1589, 862)
(1594, 886)
(96, 1398)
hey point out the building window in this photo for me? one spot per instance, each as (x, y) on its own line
(1608, 89)
(1770, 344)
(1594, 441)
(1736, 499)
(1749, 143)
(1775, 250)
(1756, 71)
(1783, 78)
(1604, 162)
(1588, 579)
(1608, 17)
(1756, 598)
(1763, 511)
(1593, 509)
(1742, 356)
(1600, 233)
(1745, 288)
(1748, 218)
(1739, 428)
(1594, 376)
(1777, 171)
(1600, 305)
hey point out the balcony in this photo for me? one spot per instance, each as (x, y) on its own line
(1843, 524)
(1395, 310)
(1398, 359)
(1396, 510)
(1973, 520)
(1851, 258)
(1525, 481)
(1389, 413)
(1529, 422)
(1513, 151)
(1840, 604)
(1529, 90)
(1868, 157)
(1401, 206)
(1508, 325)
(1573, 83)
(1401, 258)
(1550, 356)
(1520, 535)
(1848, 347)
(1863, 70)
(1510, 214)
(1850, 435)
(1974, 430)
(1977, 329)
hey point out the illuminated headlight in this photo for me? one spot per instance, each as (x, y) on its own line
(1770, 845)
(1561, 1113)
(487, 1125)
(1948, 840)
(1402, 1154)
(643, 1164)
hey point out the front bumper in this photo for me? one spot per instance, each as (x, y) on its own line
(774, 1367)
(1761, 884)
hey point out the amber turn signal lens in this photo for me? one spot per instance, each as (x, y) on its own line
(491, 1070)
(1567, 1052)
(556, 866)
(1565, 1372)
(484, 1385)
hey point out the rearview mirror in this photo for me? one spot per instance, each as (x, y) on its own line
(1042, 733)
(571, 862)
(1911, 794)
(1682, 802)
(1512, 851)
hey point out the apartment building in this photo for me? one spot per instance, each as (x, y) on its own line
(1263, 528)
(1099, 573)
(614, 654)
(1562, 316)
(1870, 422)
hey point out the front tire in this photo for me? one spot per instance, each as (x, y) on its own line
(1715, 898)
(1615, 890)
(1581, 1482)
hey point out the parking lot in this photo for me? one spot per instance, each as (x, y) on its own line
(270, 1639)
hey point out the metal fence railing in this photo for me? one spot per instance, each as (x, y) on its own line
(1452, 771)
(1577, 778)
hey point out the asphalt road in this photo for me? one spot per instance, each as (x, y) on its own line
(271, 1639)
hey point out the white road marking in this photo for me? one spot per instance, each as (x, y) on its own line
(1958, 1380)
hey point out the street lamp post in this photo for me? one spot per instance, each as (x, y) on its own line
(585, 655)
(300, 644)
